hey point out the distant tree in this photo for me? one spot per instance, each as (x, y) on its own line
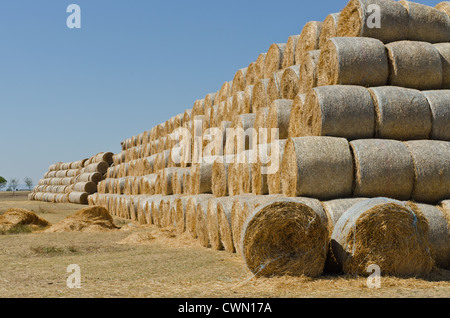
(29, 182)
(13, 184)
(3, 182)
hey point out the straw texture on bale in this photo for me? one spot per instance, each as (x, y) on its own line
(382, 168)
(357, 20)
(439, 101)
(212, 222)
(439, 232)
(444, 6)
(401, 113)
(259, 180)
(278, 117)
(289, 52)
(339, 110)
(190, 213)
(250, 76)
(308, 40)
(219, 178)
(273, 166)
(414, 64)
(285, 237)
(426, 23)
(239, 81)
(353, 61)
(290, 82)
(259, 95)
(431, 160)
(329, 29)
(260, 66)
(200, 178)
(297, 112)
(444, 51)
(385, 232)
(78, 197)
(224, 221)
(274, 86)
(248, 100)
(201, 223)
(89, 187)
(308, 71)
(318, 167)
(274, 59)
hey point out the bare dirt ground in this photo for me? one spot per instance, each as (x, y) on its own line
(168, 266)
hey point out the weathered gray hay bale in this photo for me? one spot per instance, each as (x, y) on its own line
(250, 76)
(401, 113)
(290, 82)
(415, 65)
(329, 29)
(273, 166)
(89, 187)
(200, 178)
(289, 52)
(278, 118)
(248, 99)
(78, 197)
(439, 101)
(201, 223)
(298, 108)
(219, 178)
(274, 59)
(239, 82)
(308, 71)
(444, 6)
(286, 237)
(308, 40)
(259, 95)
(439, 232)
(260, 66)
(190, 213)
(87, 177)
(384, 232)
(444, 51)
(431, 160)
(356, 20)
(353, 61)
(274, 86)
(382, 168)
(317, 167)
(102, 156)
(339, 110)
(426, 23)
(61, 174)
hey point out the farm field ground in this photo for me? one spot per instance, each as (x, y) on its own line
(34, 265)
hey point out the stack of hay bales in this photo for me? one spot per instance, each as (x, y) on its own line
(72, 182)
(353, 116)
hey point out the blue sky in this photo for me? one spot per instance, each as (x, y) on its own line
(67, 94)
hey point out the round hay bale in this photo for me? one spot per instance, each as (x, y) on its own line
(248, 99)
(101, 167)
(340, 110)
(190, 213)
(274, 86)
(200, 178)
(89, 187)
(431, 160)
(219, 178)
(213, 224)
(201, 223)
(245, 138)
(260, 124)
(239, 81)
(259, 95)
(285, 237)
(444, 51)
(231, 177)
(250, 76)
(180, 213)
(384, 232)
(426, 23)
(229, 112)
(78, 197)
(209, 102)
(243, 176)
(444, 6)
(225, 91)
(224, 220)
(439, 232)
(177, 180)
(318, 167)
(199, 108)
(401, 113)
(278, 118)
(238, 105)
(274, 59)
(273, 166)
(414, 65)
(308, 40)
(353, 61)
(439, 101)
(167, 218)
(260, 66)
(167, 181)
(297, 111)
(382, 168)
(259, 179)
(356, 20)
(289, 52)
(329, 29)
(290, 82)
(308, 71)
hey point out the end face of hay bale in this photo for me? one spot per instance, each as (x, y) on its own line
(285, 237)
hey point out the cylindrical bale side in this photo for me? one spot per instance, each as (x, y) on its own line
(308, 40)
(309, 71)
(439, 101)
(289, 52)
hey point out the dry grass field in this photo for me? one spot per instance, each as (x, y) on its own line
(166, 266)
